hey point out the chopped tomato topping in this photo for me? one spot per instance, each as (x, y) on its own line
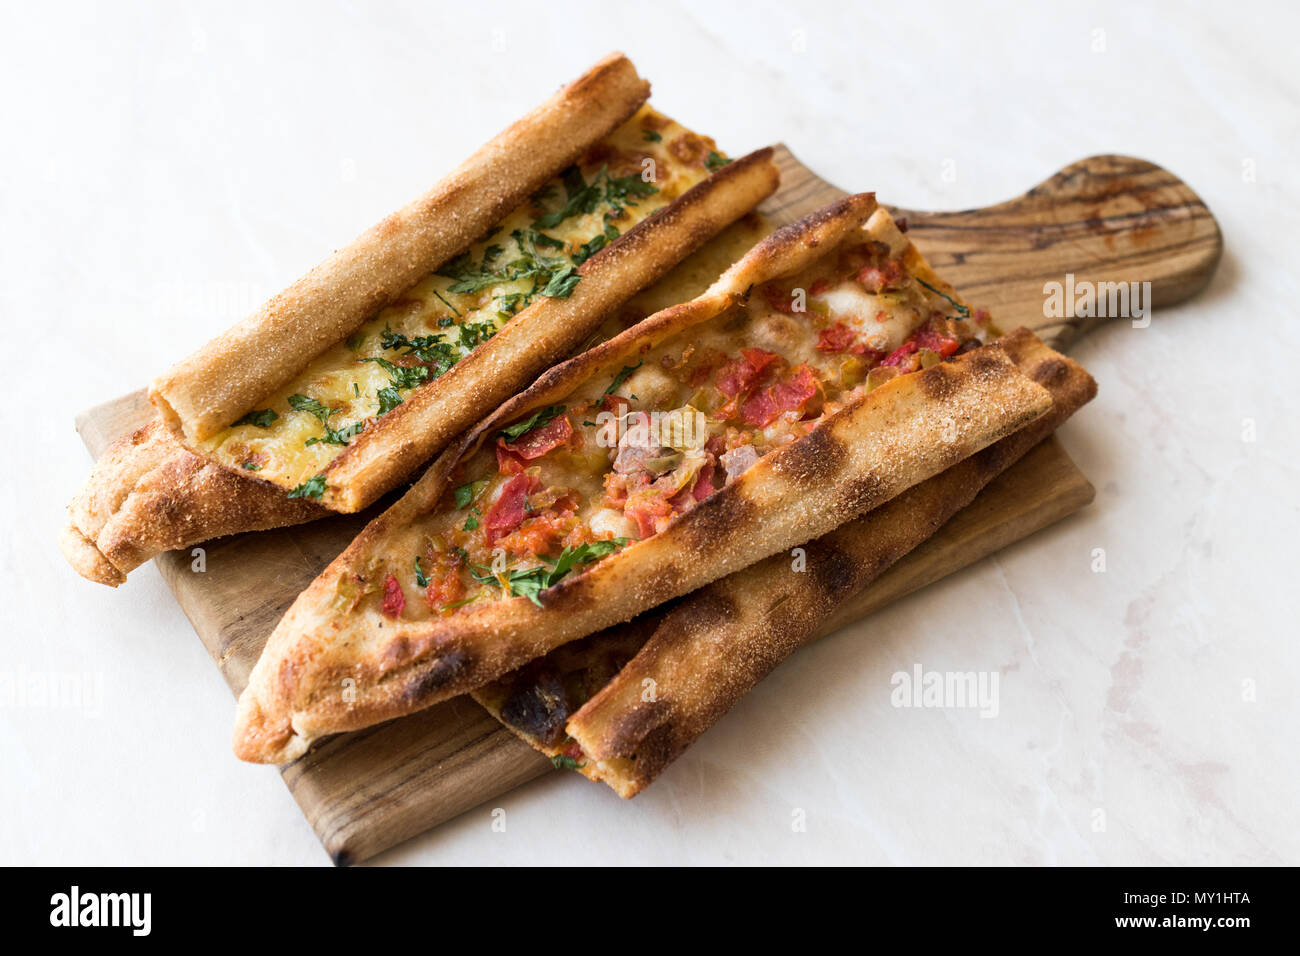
(927, 337)
(701, 487)
(615, 488)
(704, 483)
(508, 463)
(650, 510)
(762, 407)
(539, 534)
(878, 277)
(740, 374)
(838, 338)
(394, 599)
(509, 509)
(445, 586)
(900, 355)
(818, 287)
(841, 338)
(536, 443)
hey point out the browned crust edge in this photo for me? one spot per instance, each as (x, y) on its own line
(546, 332)
(147, 494)
(720, 641)
(264, 728)
(225, 378)
(795, 494)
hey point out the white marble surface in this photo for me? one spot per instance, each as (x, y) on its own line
(167, 165)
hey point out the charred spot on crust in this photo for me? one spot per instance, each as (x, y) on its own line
(939, 382)
(1050, 372)
(639, 733)
(862, 492)
(540, 708)
(437, 675)
(988, 362)
(813, 460)
(708, 608)
(656, 751)
(706, 527)
(832, 570)
(996, 458)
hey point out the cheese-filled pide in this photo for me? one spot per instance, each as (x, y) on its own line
(825, 372)
(341, 387)
(586, 704)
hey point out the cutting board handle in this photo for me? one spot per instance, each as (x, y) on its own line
(1105, 219)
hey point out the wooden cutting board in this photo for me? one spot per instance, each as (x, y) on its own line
(1108, 218)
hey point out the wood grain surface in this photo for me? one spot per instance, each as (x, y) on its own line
(1107, 218)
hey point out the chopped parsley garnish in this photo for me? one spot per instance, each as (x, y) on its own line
(251, 466)
(340, 437)
(471, 334)
(622, 377)
(532, 582)
(597, 242)
(543, 241)
(511, 302)
(565, 762)
(650, 136)
(583, 554)
(430, 349)
(583, 198)
(302, 403)
(471, 523)
(421, 578)
(332, 436)
(313, 487)
(402, 376)
(536, 420)
(715, 161)
(389, 398)
(562, 283)
(262, 418)
(466, 493)
(550, 276)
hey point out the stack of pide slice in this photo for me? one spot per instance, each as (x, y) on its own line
(610, 551)
(340, 387)
(825, 373)
(621, 704)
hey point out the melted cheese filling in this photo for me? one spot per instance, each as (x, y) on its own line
(299, 430)
(581, 492)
